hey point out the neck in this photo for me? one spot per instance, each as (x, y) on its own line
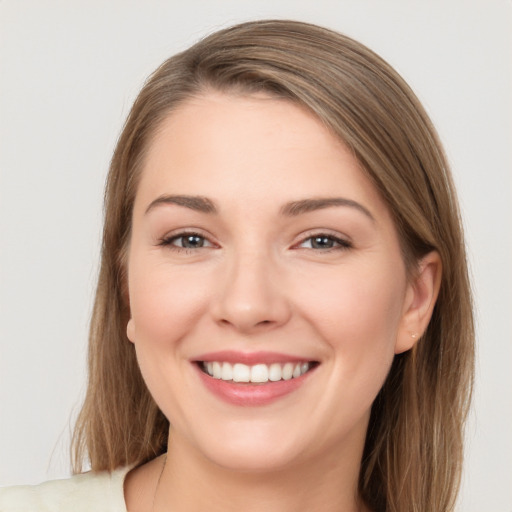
(190, 482)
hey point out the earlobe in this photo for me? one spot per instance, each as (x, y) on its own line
(420, 300)
(130, 330)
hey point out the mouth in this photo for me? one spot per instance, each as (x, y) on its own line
(260, 373)
(253, 379)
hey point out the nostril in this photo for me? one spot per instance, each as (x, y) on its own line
(262, 323)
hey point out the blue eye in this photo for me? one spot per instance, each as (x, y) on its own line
(187, 241)
(191, 241)
(325, 242)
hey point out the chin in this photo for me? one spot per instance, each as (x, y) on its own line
(252, 460)
(251, 452)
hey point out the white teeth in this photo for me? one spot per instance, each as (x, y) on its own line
(241, 372)
(288, 371)
(259, 373)
(217, 370)
(275, 373)
(227, 371)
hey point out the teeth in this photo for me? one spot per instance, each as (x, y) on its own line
(259, 373)
(217, 370)
(227, 371)
(288, 371)
(274, 372)
(241, 372)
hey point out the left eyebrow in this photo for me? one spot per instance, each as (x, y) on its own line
(309, 205)
(197, 203)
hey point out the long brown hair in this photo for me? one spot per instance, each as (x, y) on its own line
(413, 453)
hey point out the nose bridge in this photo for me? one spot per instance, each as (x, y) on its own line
(251, 296)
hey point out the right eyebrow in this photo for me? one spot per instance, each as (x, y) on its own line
(309, 205)
(197, 203)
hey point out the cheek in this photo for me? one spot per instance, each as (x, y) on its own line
(357, 314)
(164, 304)
(361, 300)
(165, 307)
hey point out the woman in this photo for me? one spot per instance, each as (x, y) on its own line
(283, 315)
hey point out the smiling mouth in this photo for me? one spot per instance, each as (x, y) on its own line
(255, 374)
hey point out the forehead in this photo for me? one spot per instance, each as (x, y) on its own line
(252, 149)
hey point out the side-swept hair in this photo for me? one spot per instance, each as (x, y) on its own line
(413, 452)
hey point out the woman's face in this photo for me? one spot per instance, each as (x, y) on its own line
(260, 252)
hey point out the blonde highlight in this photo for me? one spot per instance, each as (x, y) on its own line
(413, 454)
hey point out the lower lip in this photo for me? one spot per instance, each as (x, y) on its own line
(247, 394)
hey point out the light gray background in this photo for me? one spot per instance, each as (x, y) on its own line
(69, 72)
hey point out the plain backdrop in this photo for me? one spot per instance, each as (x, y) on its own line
(69, 71)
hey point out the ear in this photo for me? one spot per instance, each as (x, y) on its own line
(130, 330)
(420, 299)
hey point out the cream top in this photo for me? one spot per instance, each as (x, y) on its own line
(98, 492)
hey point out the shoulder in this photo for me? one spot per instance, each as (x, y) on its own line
(101, 492)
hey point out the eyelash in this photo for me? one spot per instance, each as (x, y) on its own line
(341, 244)
(169, 241)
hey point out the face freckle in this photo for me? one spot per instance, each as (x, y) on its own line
(257, 235)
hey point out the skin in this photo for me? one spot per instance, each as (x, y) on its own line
(258, 282)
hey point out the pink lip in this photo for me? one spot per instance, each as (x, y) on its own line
(250, 358)
(247, 394)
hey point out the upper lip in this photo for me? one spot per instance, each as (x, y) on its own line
(250, 358)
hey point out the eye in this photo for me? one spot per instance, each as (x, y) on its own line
(325, 242)
(186, 241)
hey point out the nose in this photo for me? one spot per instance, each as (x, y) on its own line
(252, 296)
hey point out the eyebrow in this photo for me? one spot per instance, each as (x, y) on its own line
(197, 203)
(291, 209)
(309, 205)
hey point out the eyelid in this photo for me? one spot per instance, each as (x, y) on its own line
(168, 238)
(344, 242)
